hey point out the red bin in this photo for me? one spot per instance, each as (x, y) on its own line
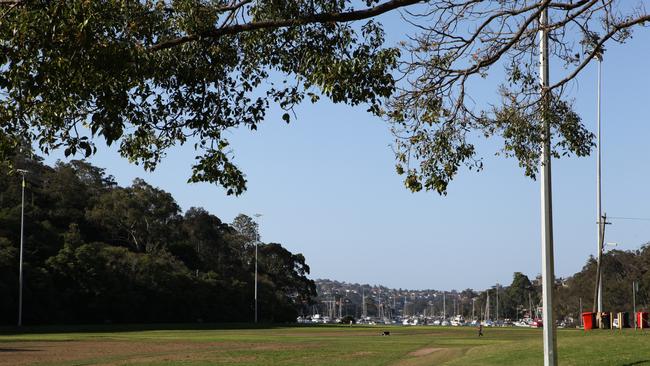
(642, 319)
(589, 320)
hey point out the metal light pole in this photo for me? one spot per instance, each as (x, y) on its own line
(598, 196)
(635, 287)
(548, 271)
(22, 231)
(599, 265)
(580, 313)
(257, 241)
(256, 282)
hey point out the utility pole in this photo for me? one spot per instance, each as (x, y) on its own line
(599, 265)
(22, 235)
(548, 270)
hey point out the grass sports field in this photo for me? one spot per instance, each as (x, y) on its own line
(316, 345)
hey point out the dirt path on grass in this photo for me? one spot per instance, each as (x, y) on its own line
(424, 351)
(430, 356)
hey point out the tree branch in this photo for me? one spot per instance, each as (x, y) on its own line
(598, 48)
(272, 24)
(234, 6)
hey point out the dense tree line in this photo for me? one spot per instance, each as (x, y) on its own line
(620, 269)
(98, 252)
(575, 294)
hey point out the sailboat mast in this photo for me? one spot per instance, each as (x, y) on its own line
(444, 306)
(497, 316)
(487, 306)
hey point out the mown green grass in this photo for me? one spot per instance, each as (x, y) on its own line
(331, 345)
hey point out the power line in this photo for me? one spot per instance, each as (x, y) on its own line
(629, 218)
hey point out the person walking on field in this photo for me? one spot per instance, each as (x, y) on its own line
(480, 330)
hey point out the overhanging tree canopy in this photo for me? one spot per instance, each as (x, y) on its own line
(152, 74)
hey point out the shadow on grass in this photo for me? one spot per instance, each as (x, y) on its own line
(643, 362)
(110, 328)
(2, 350)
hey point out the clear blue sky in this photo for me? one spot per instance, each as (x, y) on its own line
(326, 186)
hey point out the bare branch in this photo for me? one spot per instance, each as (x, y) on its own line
(272, 24)
(598, 49)
(235, 6)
